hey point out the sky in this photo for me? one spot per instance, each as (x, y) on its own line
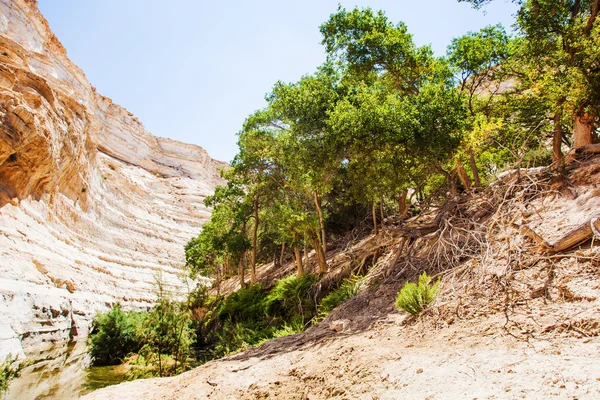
(193, 70)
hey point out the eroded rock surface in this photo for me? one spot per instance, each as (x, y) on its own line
(92, 207)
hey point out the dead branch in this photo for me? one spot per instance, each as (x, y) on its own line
(575, 237)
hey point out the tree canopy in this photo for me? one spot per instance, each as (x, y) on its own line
(384, 122)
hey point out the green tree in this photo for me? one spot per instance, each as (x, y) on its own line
(403, 105)
(114, 336)
(167, 331)
(479, 60)
(561, 41)
(223, 241)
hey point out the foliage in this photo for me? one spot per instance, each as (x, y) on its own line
(245, 304)
(347, 290)
(114, 335)
(8, 372)
(557, 60)
(160, 338)
(167, 332)
(253, 315)
(416, 297)
(223, 239)
(290, 298)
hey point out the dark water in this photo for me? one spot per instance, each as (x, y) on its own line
(62, 373)
(99, 377)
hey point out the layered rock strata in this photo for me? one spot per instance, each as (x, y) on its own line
(92, 207)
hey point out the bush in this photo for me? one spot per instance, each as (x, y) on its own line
(245, 304)
(8, 372)
(539, 157)
(347, 290)
(167, 335)
(290, 298)
(414, 298)
(252, 315)
(115, 335)
(162, 337)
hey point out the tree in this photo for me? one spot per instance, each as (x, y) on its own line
(478, 59)
(393, 80)
(562, 41)
(311, 154)
(223, 241)
(166, 330)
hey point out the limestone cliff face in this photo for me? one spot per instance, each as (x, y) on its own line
(92, 206)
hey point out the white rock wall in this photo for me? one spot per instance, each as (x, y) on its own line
(92, 207)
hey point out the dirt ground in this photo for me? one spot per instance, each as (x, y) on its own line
(392, 362)
(510, 322)
(468, 346)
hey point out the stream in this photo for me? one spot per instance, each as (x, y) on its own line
(62, 373)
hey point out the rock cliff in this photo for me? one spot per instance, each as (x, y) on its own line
(92, 207)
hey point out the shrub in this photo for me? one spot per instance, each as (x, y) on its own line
(415, 297)
(245, 304)
(8, 372)
(290, 298)
(538, 157)
(115, 335)
(347, 290)
(167, 335)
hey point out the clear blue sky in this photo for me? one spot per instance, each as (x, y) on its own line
(192, 70)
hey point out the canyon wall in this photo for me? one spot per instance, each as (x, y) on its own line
(92, 207)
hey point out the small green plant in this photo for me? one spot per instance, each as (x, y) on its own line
(415, 297)
(160, 339)
(8, 372)
(347, 290)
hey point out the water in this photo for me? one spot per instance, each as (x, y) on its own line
(61, 372)
(99, 377)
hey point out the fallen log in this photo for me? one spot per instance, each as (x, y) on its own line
(580, 152)
(577, 236)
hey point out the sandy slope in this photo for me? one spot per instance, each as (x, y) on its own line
(510, 322)
(391, 362)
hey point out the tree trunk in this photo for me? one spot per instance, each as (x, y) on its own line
(463, 176)
(590, 23)
(402, 206)
(317, 201)
(375, 227)
(241, 272)
(320, 256)
(305, 251)
(453, 187)
(579, 235)
(281, 256)
(381, 213)
(451, 177)
(557, 136)
(160, 371)
(582, 132)
(218, 280)
(474, 169)
(254, 241)
(299, 267)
